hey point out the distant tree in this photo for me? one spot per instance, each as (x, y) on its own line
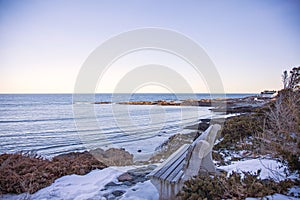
(294, 78)
(282, 125)
(285, 79)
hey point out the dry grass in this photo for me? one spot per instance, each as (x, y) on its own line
(283, 121)
(221, 186)
(21, 173)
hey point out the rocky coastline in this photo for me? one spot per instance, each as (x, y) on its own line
(228, 105)
(44, 172)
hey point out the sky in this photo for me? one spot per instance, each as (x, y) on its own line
(43, 44)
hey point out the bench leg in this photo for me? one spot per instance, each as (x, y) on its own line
(207, 164)
(166, 190)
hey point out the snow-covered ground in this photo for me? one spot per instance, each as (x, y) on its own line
(269, 168)
(275, 197)
(92, 185)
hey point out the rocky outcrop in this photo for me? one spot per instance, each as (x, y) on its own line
(201, 126)
(228, 105)
(103, 102)
(125, 177)
(113, 156)
(241, 105)
(235, 109)
(137, 175)
(161, 103)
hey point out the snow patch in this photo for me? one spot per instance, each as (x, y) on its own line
(141, 191)
(76, 187)
(275, 197)
(269, 168)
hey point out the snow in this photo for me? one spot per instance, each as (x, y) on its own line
(141, 191)
(80, 187)
(295, 190)
(275, 197)
(269, 168)
(91, 186)
(76, 186)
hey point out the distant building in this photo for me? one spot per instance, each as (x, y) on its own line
(268, 94)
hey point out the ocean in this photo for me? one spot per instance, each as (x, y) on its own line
(45, 124)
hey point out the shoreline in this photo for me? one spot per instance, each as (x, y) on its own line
(229, 107)
(163, 150)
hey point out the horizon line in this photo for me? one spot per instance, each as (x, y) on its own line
(137, 93)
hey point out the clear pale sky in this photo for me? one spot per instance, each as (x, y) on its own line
(43, 43)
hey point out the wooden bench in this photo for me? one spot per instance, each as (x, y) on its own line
(186, 162)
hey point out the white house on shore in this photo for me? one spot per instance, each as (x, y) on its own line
(268, 94)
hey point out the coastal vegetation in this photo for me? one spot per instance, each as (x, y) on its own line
(23, 172)
(28, 173)
(233, 186)
(272, 130)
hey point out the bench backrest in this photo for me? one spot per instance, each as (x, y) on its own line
(199, 157)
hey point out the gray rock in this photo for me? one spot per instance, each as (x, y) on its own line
(141, 179)
(205, 120)
(111, 184)
(128, 183)
(118, 193)
(142, 171)
(125, 177)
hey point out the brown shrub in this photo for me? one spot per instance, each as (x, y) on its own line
(22, 173)
(220, 186)
(239, 128)
(281, 136)
(283, 121)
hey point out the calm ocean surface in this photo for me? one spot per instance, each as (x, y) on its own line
(45, 123)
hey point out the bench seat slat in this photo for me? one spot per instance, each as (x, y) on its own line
(168, 163)
(173, 167)
(178, 177)
(175, 172)
(165, 172)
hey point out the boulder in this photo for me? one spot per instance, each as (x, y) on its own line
(118, 193)
(125, 177)
(113, 156)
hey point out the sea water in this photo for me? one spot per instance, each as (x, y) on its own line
(45, 123)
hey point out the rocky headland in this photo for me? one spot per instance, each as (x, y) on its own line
(228, 105)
